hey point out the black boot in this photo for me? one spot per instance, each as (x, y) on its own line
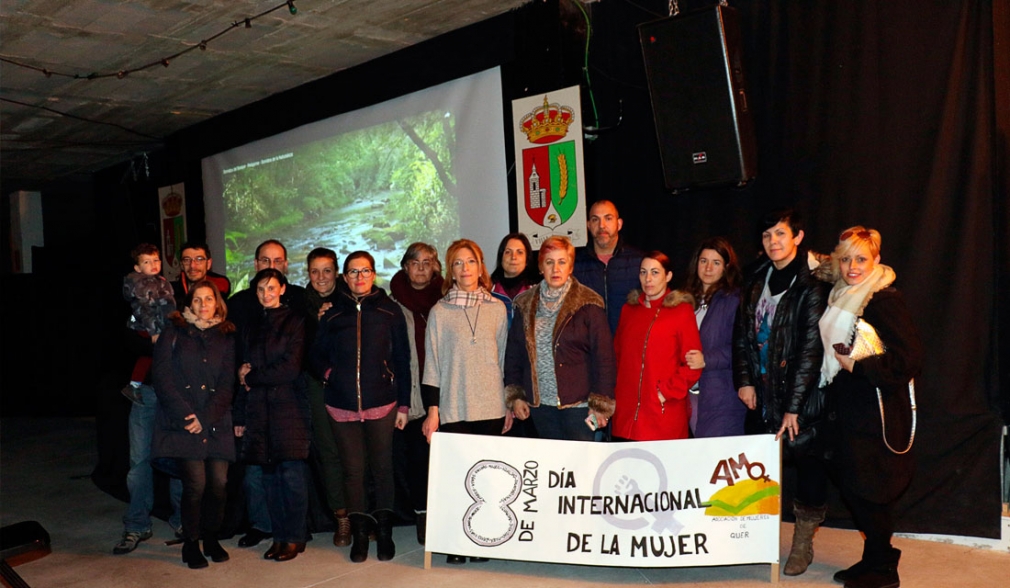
(213, 550)
(360, 526)
(422, 526)
(882, 573)
(385, 548)
(191, 555)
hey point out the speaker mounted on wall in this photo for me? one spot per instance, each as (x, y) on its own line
(694, 66)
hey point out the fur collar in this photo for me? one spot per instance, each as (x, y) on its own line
(672, 298)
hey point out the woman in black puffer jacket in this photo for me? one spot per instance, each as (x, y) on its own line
(194, 379)
(363, 357)
(272, 412)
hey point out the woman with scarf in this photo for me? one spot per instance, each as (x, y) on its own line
(514, 274)
(362, 355)
(272, 412)
(655, 333)
(416, 288)
(194, 380)
(714, 280)
(872, 352)
(559, 366)
(464, 351)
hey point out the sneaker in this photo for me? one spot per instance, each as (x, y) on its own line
(130, 541)
(133, 394)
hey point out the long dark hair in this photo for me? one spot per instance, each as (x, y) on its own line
(731, 276)
(530, 274)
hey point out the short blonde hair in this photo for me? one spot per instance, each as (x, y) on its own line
(855, 237)
(484, 281)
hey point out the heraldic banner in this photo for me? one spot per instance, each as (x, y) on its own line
(550, 183)
(172, 205)
(693, 502)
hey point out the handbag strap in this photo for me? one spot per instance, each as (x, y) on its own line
(883, 425)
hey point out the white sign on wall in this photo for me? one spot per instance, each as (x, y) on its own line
(550, 182)
(694, 502)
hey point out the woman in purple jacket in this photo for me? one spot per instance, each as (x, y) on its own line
(714, 279)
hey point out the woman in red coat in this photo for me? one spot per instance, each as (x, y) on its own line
(656, 331)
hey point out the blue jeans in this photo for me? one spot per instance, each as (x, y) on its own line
(140, 478)
(287, 499)
(567, 424)
(256, 499)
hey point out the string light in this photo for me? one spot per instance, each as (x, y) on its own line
(164, 61)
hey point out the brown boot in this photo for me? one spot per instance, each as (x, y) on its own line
(808, 518)
(342, 536)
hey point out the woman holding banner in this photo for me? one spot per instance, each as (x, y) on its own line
(464, 350)
(559, 365)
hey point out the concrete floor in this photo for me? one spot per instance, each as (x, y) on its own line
(44, 469)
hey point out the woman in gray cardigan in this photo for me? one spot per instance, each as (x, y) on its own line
(462, 386)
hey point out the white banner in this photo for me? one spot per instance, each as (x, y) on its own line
(695, 502)
(172, 204)
(550, 182)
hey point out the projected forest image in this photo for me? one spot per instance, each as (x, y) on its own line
(377, 189)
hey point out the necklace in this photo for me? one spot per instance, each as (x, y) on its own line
(473, 325)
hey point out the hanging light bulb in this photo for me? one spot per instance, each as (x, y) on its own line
(291, 7)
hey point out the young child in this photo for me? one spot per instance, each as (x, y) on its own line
(151, 301)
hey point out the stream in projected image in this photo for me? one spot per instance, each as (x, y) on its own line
(344, 231)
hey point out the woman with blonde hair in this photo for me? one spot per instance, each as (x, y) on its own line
(559, 366)
(872, 352)
(464, 351)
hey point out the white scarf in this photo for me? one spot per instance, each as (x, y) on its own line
(845, 305)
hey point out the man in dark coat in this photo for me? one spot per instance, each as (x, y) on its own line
(606, 264)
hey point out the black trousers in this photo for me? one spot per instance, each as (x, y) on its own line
(203, 496)
(490, 427)
(876, 521)
(367, 446)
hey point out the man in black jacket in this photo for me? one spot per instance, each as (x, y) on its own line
(777, 355)
(606, 264)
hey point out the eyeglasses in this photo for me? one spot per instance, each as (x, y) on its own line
(863, 234)
(363, 272)
(460, 262)
(272, 262)
(426, 264)
(192, 260)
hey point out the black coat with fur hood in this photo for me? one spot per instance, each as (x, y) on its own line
(583, 351)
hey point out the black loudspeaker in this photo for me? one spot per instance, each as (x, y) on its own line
(696, 81)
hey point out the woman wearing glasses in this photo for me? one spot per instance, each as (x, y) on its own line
(464, 351)
(362, 354)
(416, 288)
(872, 397)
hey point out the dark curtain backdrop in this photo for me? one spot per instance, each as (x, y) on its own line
(877, 113)
(873, 113)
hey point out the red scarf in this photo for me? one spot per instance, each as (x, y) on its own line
(418, 302)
